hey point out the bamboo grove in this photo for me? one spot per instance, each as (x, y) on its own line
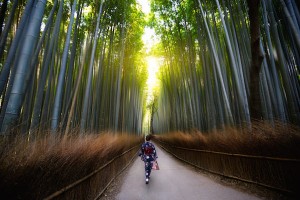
(80, 64)
(72, 64)
(206, 78)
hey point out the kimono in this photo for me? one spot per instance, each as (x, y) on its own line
(148, 155)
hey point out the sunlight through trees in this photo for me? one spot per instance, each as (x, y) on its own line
(207, 78)
(92, 65)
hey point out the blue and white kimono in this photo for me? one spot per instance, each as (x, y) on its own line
(148, 155)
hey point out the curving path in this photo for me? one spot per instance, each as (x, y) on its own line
(174, 181)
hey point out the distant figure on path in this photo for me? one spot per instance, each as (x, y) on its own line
(148, 155)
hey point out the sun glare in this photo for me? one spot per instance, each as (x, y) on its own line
(145, 5)
(153, 63)
(149, 38)
(153, 67)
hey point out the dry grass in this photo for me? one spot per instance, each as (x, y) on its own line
(279, 140)
(36, 169)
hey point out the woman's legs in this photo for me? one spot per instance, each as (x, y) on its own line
(148, 167)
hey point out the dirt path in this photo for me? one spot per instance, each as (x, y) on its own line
(174, 180)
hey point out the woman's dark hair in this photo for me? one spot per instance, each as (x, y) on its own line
(148, 137)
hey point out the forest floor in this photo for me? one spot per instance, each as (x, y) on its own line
(177, 180)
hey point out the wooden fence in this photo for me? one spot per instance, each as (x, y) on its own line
(280, 174)
(94, 184)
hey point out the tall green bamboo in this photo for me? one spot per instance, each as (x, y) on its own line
(89, 78)
(19, 86)
(60, 85)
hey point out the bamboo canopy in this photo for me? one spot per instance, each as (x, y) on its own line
(81, 64)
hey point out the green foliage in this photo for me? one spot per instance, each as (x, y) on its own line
(204, 78)
(121, 29)
(157, 50)
(206, 46)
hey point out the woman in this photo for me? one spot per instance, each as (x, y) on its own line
(149, 156)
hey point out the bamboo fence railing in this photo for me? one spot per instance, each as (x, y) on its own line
(280, 174)
(95, 183)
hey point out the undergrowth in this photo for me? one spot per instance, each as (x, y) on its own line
(35, 168)
(263, 139)
(265, 156)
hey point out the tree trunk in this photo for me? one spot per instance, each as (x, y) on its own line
(61, 78)
(257, 57)
(4, 34)
(44, 71)
(13, 47)
(119, 77)
(19, 86)
(2, 14)
(90, 73)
